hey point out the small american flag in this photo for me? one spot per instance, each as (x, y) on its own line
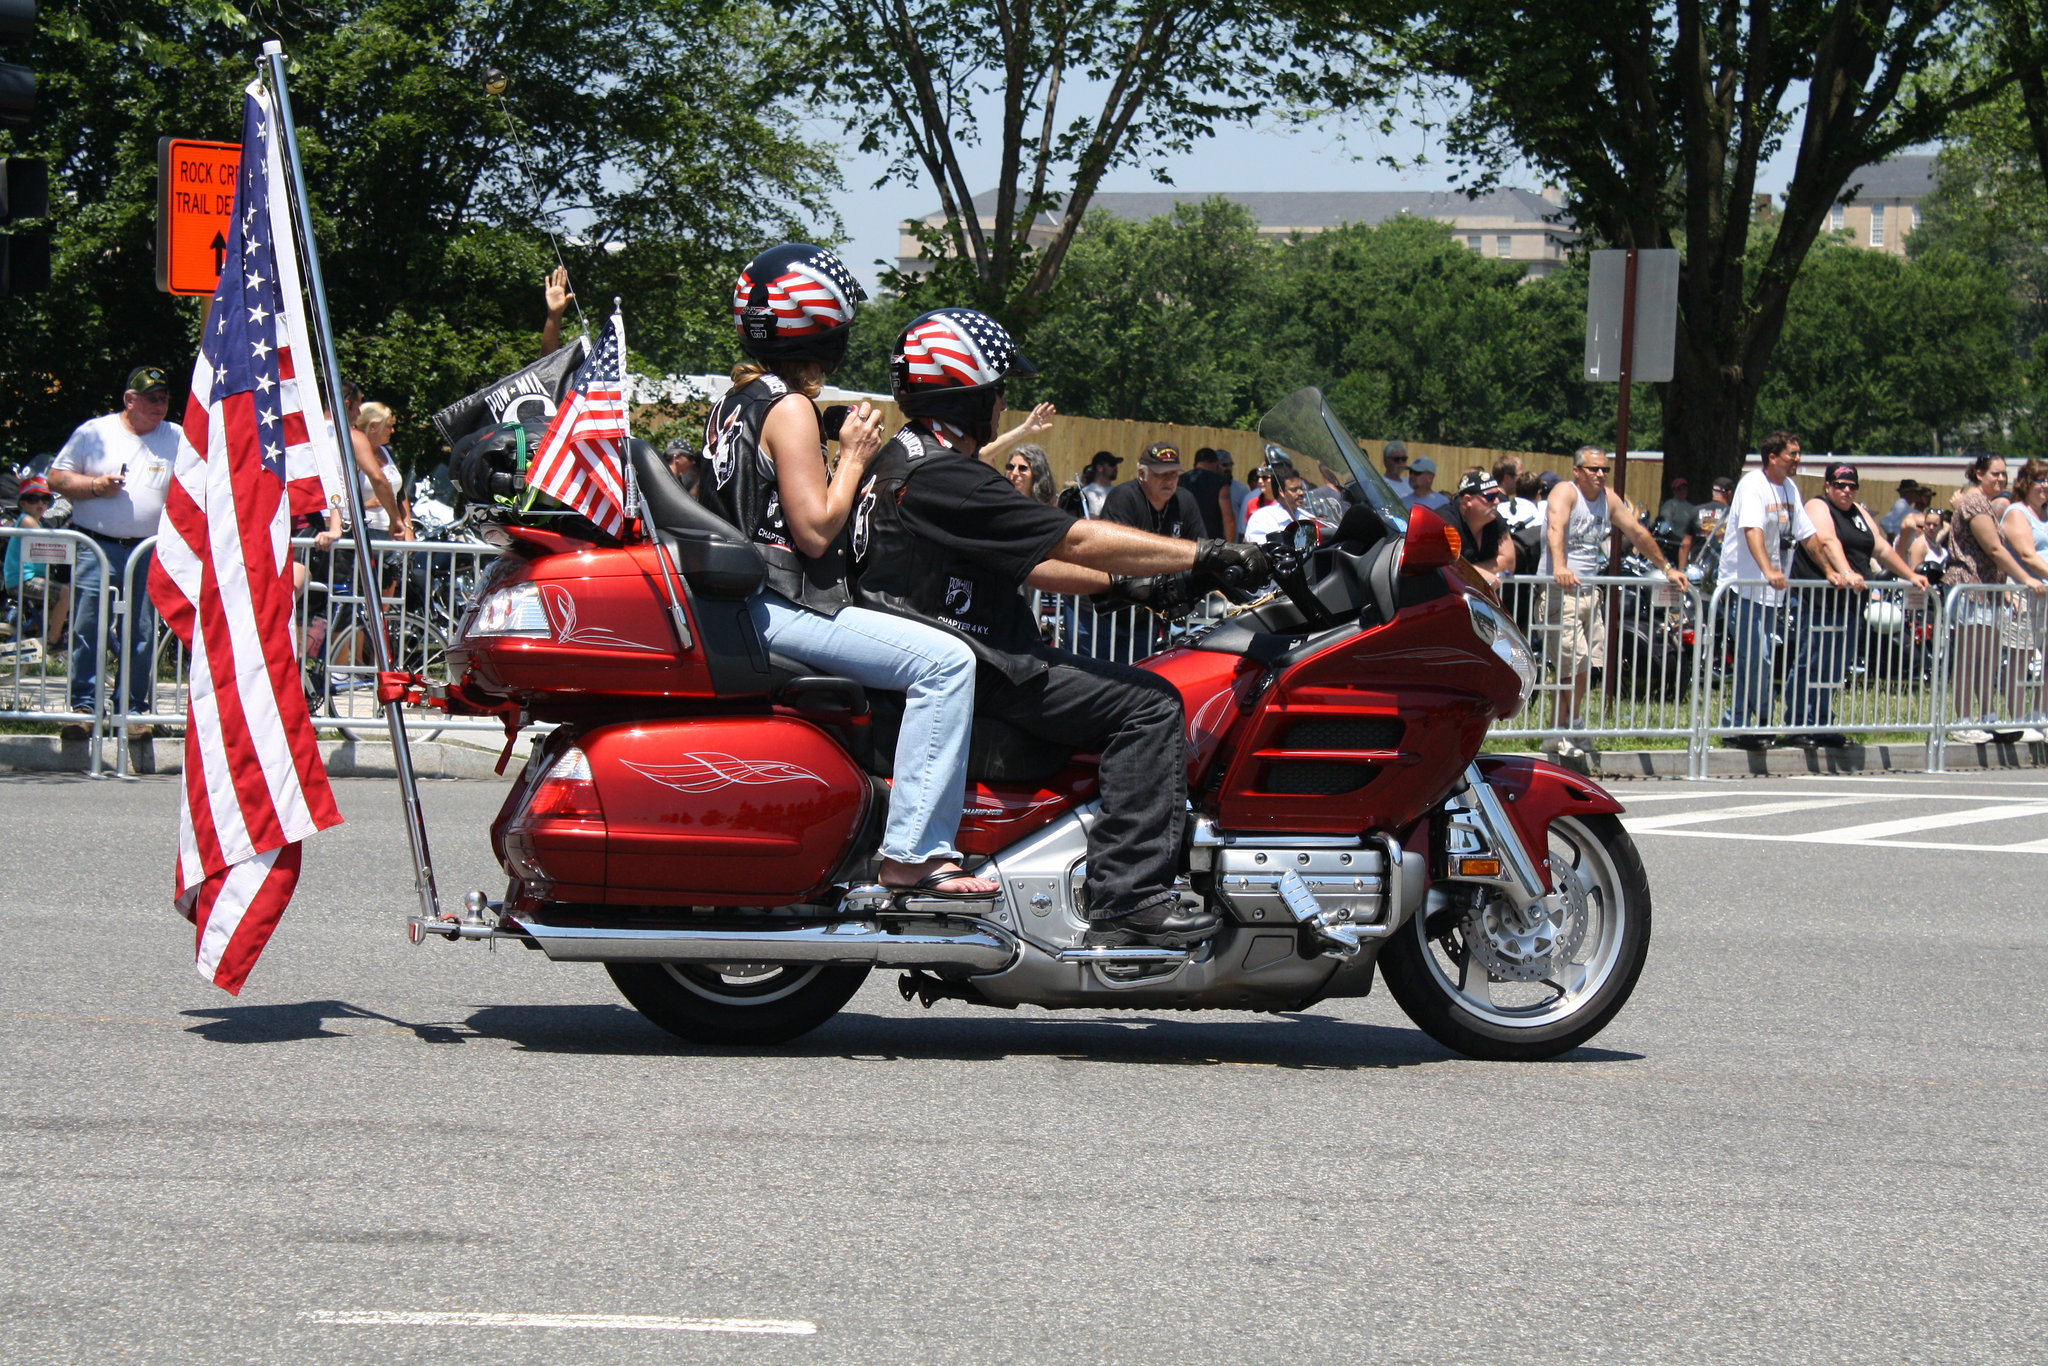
(582, 458)
(254, 449)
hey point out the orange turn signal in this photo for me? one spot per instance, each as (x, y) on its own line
(1431, 542)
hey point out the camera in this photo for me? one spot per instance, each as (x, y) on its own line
(833, 419)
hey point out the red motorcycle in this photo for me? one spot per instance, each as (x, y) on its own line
(704, 818)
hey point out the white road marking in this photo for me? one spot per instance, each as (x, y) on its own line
(2039, 847)
(660, 1323)
(1877, 830)
(1736, 813)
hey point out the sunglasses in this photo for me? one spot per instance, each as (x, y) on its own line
(1844, 484)
(1020, 468)
(26, 499)
(1592, 469)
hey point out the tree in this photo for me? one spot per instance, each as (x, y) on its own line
(1413, 335)
(1882, 354)
(650, 129)
(1656, 118)
(1159, 320)
(1154, 76)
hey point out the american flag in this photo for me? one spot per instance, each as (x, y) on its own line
(814, 294)
(254, 449)
(582, 457)
(957, 346)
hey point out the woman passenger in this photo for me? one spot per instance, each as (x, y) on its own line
(764, 461)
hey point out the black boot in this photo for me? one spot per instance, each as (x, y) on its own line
(1161, 923)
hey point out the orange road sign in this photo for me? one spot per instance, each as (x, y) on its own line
(195, 199)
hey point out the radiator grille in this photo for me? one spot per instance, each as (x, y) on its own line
(1345, 732)
(1313, 778)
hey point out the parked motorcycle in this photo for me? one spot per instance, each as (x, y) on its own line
(705, 817)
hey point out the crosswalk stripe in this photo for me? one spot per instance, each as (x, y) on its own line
(2036, 847)
(1877, 830)
(1736, 813)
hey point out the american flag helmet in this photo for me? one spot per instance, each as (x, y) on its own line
(953, 349)
(796, 302)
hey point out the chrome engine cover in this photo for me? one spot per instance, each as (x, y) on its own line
(1348, 878)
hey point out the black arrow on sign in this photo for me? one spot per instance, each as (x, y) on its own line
(220, 253)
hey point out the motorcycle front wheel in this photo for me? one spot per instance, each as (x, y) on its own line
(1506, 987)
(737, 1003)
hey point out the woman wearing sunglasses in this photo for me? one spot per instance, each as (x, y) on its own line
(1031, 471)
(1830, 622)
(31, 583)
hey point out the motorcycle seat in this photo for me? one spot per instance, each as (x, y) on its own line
(709, 551)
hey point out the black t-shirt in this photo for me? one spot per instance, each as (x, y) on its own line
(1205, 487)
(1127, 505)
(971, 510)
(1705, 518)
(1859, 544)
(1482, 546)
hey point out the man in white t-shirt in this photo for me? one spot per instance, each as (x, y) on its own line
(116, 470)
(1278, 516)
(1422, 488)
(1766, 518)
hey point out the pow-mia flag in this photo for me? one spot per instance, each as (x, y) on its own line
(532, 394)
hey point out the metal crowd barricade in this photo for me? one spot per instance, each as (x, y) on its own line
(1617, 653)
(1888, 660)
(1988, 667)
(424, 587)
(1820, 660)
(35, 680)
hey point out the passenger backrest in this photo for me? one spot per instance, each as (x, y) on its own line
(710, 552)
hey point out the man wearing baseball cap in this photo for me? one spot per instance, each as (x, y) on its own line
(1482, 532)
(1705, 521)
(1422, 479)
(1155, 501)
(116, 470)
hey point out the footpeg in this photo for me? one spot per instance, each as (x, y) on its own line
(1336, 935)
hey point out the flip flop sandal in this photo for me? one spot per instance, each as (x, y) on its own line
(932, 884)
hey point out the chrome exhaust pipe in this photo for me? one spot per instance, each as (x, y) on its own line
(957, 945)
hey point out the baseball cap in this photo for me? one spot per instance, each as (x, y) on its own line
(148, 379)
(1161, 455)
(1478, 482)
(32, 486)
(1222, 456)
(1725, 484)
(1841, 470)
(1422, 466)
(1679, 481)
(1549, 479)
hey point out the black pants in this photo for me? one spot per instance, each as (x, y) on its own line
(1134, 718)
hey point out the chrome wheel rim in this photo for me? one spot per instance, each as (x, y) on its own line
(1582, 930)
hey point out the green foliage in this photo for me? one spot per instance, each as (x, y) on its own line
(1881, 354)
(1194, 318)
(651, 130)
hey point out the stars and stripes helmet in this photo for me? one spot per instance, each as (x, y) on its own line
(950, 364)
(796, 302)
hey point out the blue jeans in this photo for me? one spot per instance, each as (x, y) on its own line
(85, 629)
(1829, 625)
(935, 674)
(1751, 628)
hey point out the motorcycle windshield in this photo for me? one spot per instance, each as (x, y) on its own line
(1302, 431)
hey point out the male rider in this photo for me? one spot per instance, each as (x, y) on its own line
(942, 537)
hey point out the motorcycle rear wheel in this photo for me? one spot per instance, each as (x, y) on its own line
(737, 1003)
(1445, 988)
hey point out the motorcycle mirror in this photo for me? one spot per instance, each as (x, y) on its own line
(1302, 536)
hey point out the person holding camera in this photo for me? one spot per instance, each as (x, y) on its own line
(1766, 520)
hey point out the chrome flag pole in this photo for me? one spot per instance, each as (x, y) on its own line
(367, 584)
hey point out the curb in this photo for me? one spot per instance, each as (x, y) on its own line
(1791, 761)
(344, 758)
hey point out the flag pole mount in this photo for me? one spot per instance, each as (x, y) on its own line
(337, 405)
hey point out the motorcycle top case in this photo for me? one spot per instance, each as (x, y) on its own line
(740, 811)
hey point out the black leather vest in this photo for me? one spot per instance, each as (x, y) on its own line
(901, 572)
(742, 487)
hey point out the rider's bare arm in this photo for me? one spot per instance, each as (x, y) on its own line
(815, 503)
(1118, 549)
(1051, 576)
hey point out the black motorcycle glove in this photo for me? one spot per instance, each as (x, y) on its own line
(1233, 566)
(1170, 595)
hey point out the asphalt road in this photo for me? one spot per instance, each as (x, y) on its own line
(1819, 1132)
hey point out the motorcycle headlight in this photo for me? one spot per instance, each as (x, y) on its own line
(512, 611)
(1498, 634)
